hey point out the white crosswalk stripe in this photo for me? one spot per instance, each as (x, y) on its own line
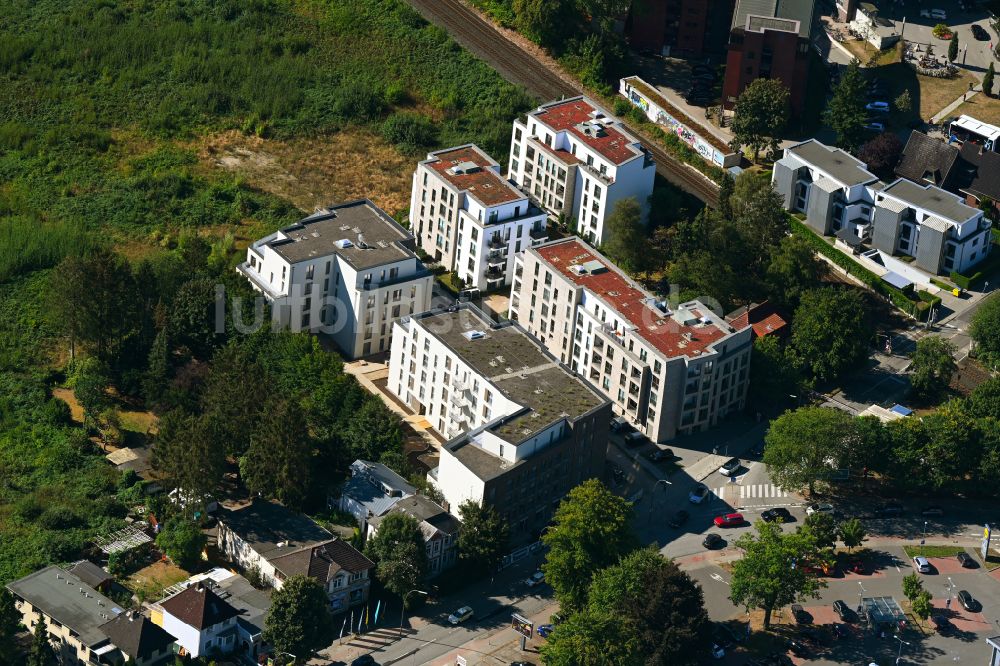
(761, 491)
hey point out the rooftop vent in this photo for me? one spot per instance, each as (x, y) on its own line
(464, 167)
(361, 241)
(474, 335)
(344, 243)
(578, 269)
(594, 267)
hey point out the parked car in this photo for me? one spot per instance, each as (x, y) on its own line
(620, 423)
(678, 519)
(758, 450)
(712, 541)
(978, 32)
(966, 560)
(921, 564)
(730, 467)
(698, 494)
(634, 439)
(819, 508)
(364, 660)
(968, 602)
(729, 520)
(779, 513)
(932, 510)
(534, 579)
(800, 614)
(936, 14)
(718, 652)
(544, 630)
(840, 632)
(879, 107)
(724, 635)
(460, 616)
(874, 127)
(842, 610)
(659, 455)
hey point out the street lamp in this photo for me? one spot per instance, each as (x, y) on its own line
(652, 498)
(861, 596)
(899, 652)
(402, 610)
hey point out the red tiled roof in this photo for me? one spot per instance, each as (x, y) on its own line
(614, 145)
(198, 607)
(764, 319)
(662, 332)
(484, 184)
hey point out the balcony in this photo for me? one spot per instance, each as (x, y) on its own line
(496, 260)
(496, 242)
(494, 274)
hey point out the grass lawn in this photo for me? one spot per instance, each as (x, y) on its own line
(450, 282)
(933, 551)
(149, 582)
(863, 51)
(981, 107)
(929, 94)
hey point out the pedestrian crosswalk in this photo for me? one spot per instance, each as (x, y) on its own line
(750, 491)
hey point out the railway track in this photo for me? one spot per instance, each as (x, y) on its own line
(480, 37)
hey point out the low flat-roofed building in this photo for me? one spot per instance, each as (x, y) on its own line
(523, 428)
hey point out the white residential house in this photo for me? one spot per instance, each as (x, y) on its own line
(667, 368)
(348, 270)
(279, 543)
(574, 159)
(470, 218)
(522, 428)
(203, 622)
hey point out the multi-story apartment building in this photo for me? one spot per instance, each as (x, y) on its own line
(769, 39)
(348, 270)
(667, 369)
(839, 196)
(471, 219)
(680, 27)
(575, 160)
(522, 428)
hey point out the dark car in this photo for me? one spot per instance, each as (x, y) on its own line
(840, 632)
(968, 602)
(365, 660)
(932, 511)
(712, 541)
(842, 611)
(758, 450)
(773, 515)
(800, 614)
(889, 510)
(966, 561)
(659, 455)
(678, 519)
(634, 439)
(979, 33)
(725, 636)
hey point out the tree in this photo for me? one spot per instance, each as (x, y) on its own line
(912, 586)
(800, 443)
(626, 237)
(726, 187)
(823, 529)
(922, 605)
(760, 115)
(90, 386)
(852, 533)
(904, 102)
(985, 329)
(792, 271)
(881, 153)
(988, 80)
(373, 433)
(953, 47)
(299, 620)
(984, 401)
(846, 112)
(759, 214)
(545, 21)
(482, 541)
(10, 623)
(192, 319)
(830, 330)
(278, 463)
(192, 459)
(183, 541)
(775, 373)
(41, 652)
(932, 367)
(399, 553)
(765, 577)
(592, 530)
(588, 638)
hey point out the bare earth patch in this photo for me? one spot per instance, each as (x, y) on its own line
(150, 581)
(312, 172)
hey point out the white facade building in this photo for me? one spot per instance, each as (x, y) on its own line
(523, 429)
(202, 621)
(667, 368)
(468, 217)
(348, 270)
(575, 160)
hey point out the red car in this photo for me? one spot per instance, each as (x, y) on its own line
(729, 520)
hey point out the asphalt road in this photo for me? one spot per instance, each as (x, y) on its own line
(480, 37)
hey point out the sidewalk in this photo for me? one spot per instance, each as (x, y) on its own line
(946, 111)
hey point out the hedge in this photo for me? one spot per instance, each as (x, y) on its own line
(874, 282)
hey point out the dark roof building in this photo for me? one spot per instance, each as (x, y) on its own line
(927, 160)
(199, 607)
(90, 573)
(978, 174)
(137, 637)
(323, 562)
(762, 317)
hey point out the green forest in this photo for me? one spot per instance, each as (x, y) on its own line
(112, 237)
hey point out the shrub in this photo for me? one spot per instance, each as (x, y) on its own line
(410, 132)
